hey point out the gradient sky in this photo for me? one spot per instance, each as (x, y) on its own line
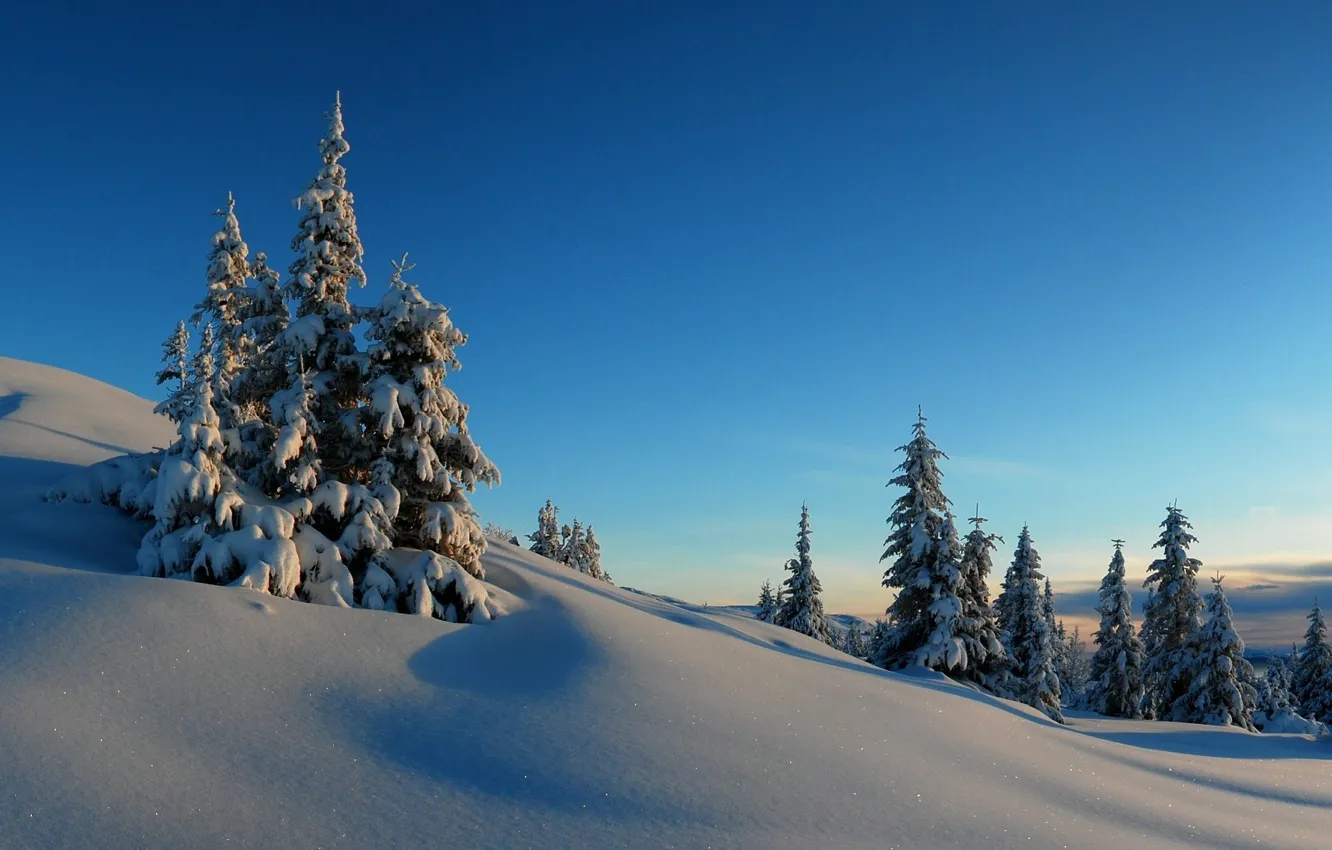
(712, 256)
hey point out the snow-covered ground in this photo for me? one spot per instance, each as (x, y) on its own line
(139, 712)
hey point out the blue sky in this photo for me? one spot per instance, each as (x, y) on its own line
(712, 256)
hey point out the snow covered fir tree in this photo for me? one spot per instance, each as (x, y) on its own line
(546, 539)
(1219, 690)
(767, 603)
(1026, 633)
(304, 466)
(915, 521)
(1311, 683)
(1171, 617)
(802, 607)
(1117, 667)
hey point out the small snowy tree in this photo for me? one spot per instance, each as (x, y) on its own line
(1074, 666)
(1027, 633)
(175, 367)
(879, 633)
(767, 603)
(546, 539)
(1218, 674)
(803, 607)
(915, 521)
(189, 477)
(1312, 681)
(1116, 668)
(592, 554)
(419, 426)
(854, 643)
(781, 606)
(1172, 616)
(574, 552)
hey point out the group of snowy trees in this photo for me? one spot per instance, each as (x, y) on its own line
(305, 465)
(572, 545)
(1185, 663)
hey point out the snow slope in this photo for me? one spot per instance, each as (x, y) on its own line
(141, 712)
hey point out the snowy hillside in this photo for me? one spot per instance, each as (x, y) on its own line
(139, 712)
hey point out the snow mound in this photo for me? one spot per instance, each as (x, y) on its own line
(155, 713)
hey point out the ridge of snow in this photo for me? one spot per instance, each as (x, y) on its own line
(149, 712)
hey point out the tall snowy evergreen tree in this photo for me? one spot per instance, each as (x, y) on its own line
(546, 539)
(1172, 616)
(1312, 682)
(224, 308)
(175, 367)
(803, 608)
(420, 427)
(1116, 671)
(1218, 675)
(975, 593)
(915, 522)
(328, 261)
(1027, 634)
(767, 603)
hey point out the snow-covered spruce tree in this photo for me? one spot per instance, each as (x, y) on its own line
(781, 606)
(767, 603)
(916, 518)
(1312, 682)
(803, 608)
(546, 539)
(991, 670)
(1116, 668)
(1218, 691)
(328, 261)
(175, 367)
(1172, 616)
(1027, 635)
(592, 554)
(419, 426)
(223, 308)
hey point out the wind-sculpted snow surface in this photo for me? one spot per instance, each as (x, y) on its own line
(140, 712)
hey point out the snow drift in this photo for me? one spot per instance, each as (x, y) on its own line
(153, 713)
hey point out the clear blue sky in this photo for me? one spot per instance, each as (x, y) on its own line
(712, 255)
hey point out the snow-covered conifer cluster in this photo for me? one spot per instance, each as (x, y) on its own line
(303, 465)
(574, 546)
(941, 617)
